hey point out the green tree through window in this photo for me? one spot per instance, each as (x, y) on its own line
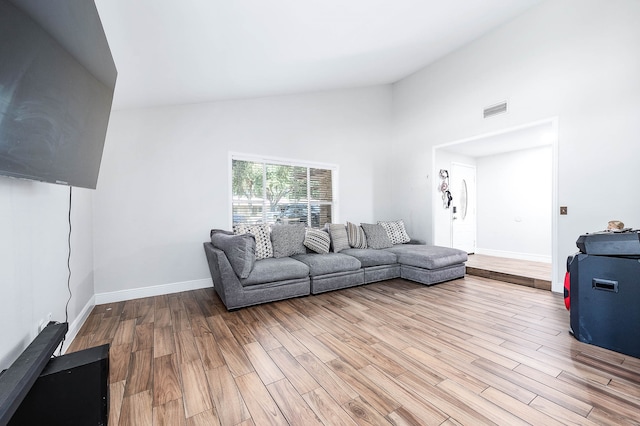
(280, 193)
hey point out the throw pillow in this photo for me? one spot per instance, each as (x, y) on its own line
(317, 240)
(264, 249)
(339, 239)
(213, 231)
(239, 249)
(356, 236)
(287, 240)
(377, 237)
(396, 232)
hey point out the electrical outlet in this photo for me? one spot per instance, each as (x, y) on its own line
(563, 210)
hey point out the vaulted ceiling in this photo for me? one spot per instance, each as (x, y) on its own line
(172, 52)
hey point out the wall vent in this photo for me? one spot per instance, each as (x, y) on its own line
(495, 110)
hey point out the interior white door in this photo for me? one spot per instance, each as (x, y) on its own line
(463, 207)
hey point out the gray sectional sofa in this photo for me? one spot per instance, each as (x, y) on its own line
(240, 280)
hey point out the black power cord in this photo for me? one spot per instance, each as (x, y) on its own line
(66, 308)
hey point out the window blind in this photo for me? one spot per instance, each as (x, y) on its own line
(264, 192)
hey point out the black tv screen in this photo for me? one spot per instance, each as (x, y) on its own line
(54, 111)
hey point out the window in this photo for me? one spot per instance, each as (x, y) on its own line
(270, 191)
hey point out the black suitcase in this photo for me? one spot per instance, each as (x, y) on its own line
(605, 301)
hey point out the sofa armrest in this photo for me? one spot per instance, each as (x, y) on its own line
(225, 280)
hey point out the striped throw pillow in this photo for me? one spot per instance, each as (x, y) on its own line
(317, 240)
(356, 237)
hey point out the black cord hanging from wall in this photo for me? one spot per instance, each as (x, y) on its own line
(66, 308)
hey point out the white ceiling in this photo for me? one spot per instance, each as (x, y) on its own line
(185, 51)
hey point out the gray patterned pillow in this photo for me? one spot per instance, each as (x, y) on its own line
(317, 240)
(263, 241)
(356, 236)
(396, 232)
(377, 237)
(339, 239)
(287, 240)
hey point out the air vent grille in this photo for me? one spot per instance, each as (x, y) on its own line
(495, 110)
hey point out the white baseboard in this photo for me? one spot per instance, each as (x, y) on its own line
(77, 323)
(515, 255)
(156, 290)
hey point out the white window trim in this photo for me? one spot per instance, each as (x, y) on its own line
(287, 162)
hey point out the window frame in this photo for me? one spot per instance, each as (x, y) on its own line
(284, 162)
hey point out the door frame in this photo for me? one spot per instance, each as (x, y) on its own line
(556, 280)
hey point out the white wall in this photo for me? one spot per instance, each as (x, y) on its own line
(514, 204)
(33, 260)
(163, 182)
(164, 176)
(575, 59)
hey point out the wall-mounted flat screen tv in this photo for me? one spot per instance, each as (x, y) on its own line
(55, 100)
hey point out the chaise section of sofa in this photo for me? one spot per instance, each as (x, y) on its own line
(429, 264)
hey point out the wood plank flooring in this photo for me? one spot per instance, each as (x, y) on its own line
(472, 351)
(515, 271)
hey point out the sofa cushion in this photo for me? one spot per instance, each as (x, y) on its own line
(370, 257)
(428, 257)
(377, 237)
(287, 240)
(272, 269)
(317, 240)
(356, 236)
(396, 232)
(322, 264)
(239, 249)
(339, 239)
(263, 241)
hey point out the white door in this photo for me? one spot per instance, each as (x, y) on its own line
(463, 207)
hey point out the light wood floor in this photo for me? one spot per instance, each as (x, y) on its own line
(470, 351)
(515, 271)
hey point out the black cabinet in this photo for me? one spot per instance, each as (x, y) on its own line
(71, 390)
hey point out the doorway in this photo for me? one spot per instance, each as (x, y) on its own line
(473, 152)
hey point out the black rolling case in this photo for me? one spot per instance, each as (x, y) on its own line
(604, 290)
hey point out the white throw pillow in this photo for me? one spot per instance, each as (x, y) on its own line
(261, 232)
(396, 232)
